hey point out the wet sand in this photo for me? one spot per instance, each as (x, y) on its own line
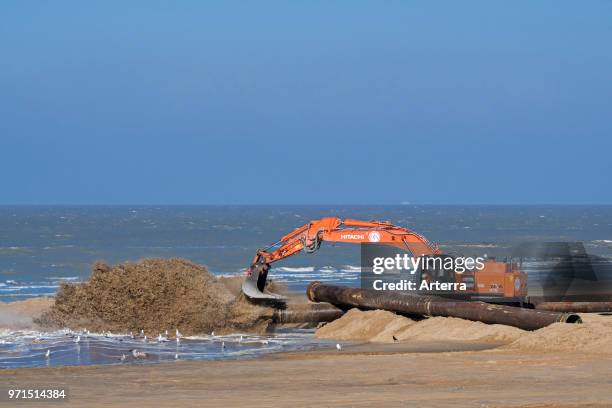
(379, 375)
(558, 366)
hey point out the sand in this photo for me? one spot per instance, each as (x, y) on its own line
(561, 365)
(155, 295)
(593, 336)
(21, 314)
(380, 326)
(496, 378)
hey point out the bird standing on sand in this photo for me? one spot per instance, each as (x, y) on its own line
(166, 333)
(48, 353)
(395, 339)
(338, 346)
(138, 354)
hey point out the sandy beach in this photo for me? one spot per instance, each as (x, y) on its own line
(381, 376)
(384, 360)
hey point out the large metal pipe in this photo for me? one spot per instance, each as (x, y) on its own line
(576, 307)
(307, 313)
(527, 319)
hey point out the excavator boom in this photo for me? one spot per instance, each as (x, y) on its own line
(309, 237)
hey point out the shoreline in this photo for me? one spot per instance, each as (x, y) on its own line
(539, 371)
(379, 376)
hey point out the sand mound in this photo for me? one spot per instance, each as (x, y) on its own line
(154, 295)
(355, 325)
(593, 336)
(20, 315)
(380, 326)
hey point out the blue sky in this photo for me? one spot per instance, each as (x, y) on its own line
(305, 102)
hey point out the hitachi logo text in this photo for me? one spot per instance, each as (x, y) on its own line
(352, 236)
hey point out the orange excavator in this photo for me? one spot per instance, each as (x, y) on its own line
(502, 282)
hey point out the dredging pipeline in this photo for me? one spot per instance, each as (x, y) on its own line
(427, 305)
(576, 307)
(307, 313)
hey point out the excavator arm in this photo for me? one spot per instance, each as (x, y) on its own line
(308, 238)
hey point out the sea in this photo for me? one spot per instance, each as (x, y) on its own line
(41, 246)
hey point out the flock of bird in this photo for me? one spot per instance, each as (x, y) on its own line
(136, 354)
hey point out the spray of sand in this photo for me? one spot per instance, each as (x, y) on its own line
(155, 295)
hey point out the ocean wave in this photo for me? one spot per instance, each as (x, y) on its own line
(350, 268)
(475, 245)
(26, 295)
(295, 269)
(22, 287)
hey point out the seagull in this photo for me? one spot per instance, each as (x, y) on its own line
(122, 357)
(132, 335)
(142, 332)
(178, 340)
(161, 338)
(338, 346)
(212, 333)
(222, 345)
(48, 353)
(145, 339)
(78, 339)
(176, 357)
(178, 333)
(166, 333)
(240, 340)
(264, 342)
(138, 354)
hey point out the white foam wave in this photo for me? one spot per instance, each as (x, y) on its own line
(298, 269)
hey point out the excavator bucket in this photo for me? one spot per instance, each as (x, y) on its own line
(254, 285)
